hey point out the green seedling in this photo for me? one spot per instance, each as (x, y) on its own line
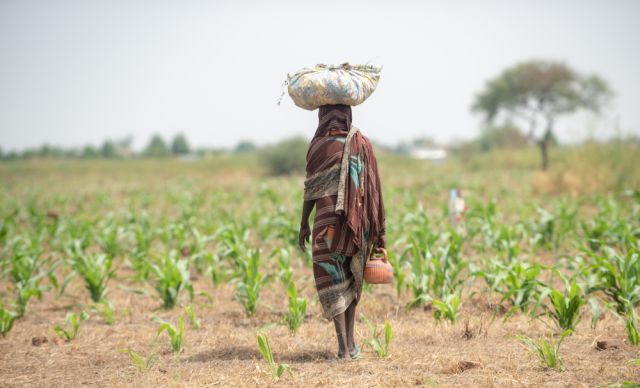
(517, 283)
(565, 307)
(398, 271)
(596, 312)
(6, 321)
(95, 270)
(250, 283)
(546, 351)
(74, 320)
(60, 287)
(277, 370)
(109, 239)
(618, 276)
(176, 335)
(448, 308)
(140, 362)
(193, 318)
(106, 311)
(284, 263)
(379, 346)
(24, 273)
(297, 308)
(171, 277)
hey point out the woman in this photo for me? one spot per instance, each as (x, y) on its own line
(344, 186)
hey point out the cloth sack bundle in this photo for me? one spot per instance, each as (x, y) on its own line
(328, 85)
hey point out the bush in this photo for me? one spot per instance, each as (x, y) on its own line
(180, 146)
(507, 136)
(287, 157)
(157, 148)
(244, 146)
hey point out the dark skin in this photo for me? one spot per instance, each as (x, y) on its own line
(344, 323)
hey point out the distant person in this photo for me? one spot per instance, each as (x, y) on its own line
(457, 208)
(349, 225)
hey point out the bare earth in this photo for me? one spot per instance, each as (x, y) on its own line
(224, 351)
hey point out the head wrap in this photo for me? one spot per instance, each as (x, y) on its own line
(333, 117)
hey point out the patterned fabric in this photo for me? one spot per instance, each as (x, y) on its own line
(322, 184)
(330, 85)
(342, 242)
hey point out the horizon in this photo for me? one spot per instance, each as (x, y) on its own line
(78, 73)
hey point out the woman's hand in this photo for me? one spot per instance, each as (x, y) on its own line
(381, 243)
(305, 232)
(304, 235)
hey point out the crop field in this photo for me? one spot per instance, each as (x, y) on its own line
(187, 273)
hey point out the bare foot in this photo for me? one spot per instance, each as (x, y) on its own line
(344, 355)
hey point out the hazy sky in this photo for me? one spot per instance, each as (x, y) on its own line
(77, 72)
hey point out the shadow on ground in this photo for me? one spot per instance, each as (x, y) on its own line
(249, 353)
(308, 356)
(225, 354)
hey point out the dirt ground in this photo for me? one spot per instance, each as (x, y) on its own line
(224, 351)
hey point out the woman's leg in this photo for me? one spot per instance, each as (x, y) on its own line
(350, 318)
(341, 332)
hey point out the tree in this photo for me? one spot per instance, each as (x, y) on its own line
(89, 152)
(44, 151)
(179, 146)
(108, 150)
(244, 146)
(537, 92)
(157, 147)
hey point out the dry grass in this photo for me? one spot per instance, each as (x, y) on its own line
(224, 351)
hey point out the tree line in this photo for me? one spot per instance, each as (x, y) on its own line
(520, 106)
(110, 149)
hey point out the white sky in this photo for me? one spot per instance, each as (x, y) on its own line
(77, 72)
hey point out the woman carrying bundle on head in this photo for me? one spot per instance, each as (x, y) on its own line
(349, 225)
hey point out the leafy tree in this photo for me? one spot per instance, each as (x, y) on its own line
(89, 152)
(179, 146)
(12, 155)
(108, 150)
(537, 92)
(157, 147)
(244, 146)
(44, 151)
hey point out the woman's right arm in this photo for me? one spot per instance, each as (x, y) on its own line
(305, 232)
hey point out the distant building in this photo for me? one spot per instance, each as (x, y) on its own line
(428, 153)
(423, 148)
